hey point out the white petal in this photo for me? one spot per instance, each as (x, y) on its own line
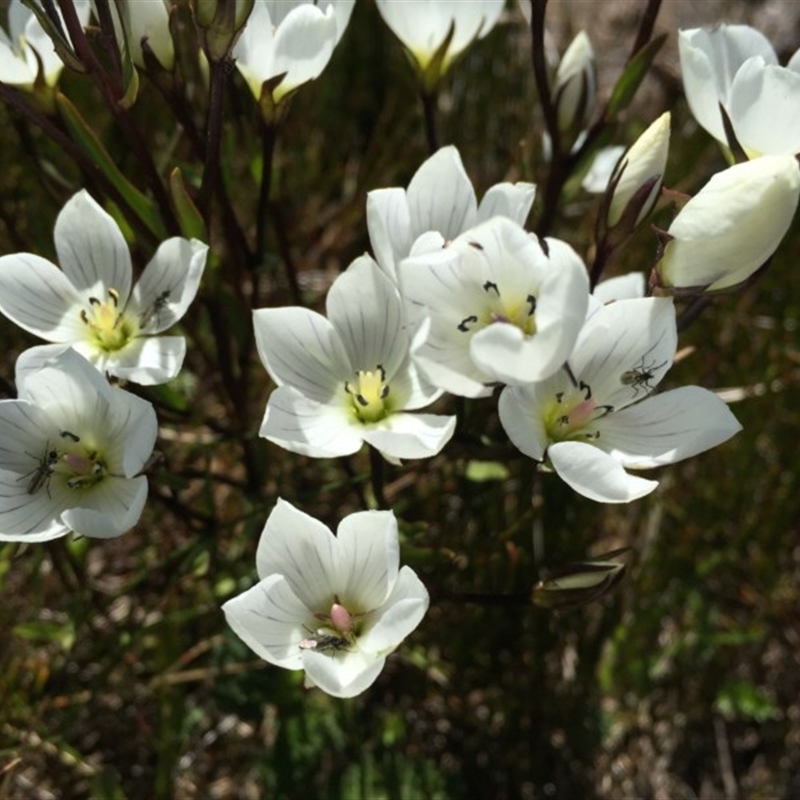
(411, 435)
(66, 385)
(14, 69)
(319, 430)
(269, 619)
(369, 555)
(667, 428)
(441, 197)
(169, 283)
(621, 287)
(302, 349)
(602, 168)
(402, 611)
(109, 509)
(38, 297)
(304, 551)
(342, 674)
(595, 474)
(91, 248)
(625, 349)
(148, 360)
(365, 308)
(33, 359)
(521, 416)
(254, 52)
(389, 226)
(26, 517)
(304, 44)
(512, 200)
(757, 90)
(131, 429)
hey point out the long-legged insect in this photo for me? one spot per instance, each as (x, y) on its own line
(155, 309)
(40, 476)
(640, 376)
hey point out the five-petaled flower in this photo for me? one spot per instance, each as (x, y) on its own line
(348, 379)
(439, 199)
(287, 43)
(72, 450)
(334, 606)
(91, 307)
(595, 418)
(502, 306)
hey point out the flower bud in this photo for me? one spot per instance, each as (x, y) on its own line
(576, 584)
(219, 23)
(637, 178)
(575, 87)
(731, 228)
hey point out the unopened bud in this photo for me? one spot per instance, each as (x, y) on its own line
(576, 584)
(730, 228)
(220, 22)
(575, 88)
(636, 181)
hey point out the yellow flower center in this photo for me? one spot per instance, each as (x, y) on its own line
(109, 328)
(75, 462)
(368, 394)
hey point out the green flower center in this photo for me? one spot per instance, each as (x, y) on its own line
(514, 311)
(570, 415)
(369, 394)
(109, 328)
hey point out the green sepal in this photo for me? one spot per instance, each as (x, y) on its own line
(633, 74)
(57, 34)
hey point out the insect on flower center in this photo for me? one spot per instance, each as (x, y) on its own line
(571, 414)
(75, 463)
(368, 394)
(336, 632)
(108, 327)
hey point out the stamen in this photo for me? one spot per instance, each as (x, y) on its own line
(491, 285)
(462, 326)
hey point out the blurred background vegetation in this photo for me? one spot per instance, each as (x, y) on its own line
(118, 675)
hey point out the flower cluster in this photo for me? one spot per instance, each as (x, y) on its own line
(74, 446)
(458, 297)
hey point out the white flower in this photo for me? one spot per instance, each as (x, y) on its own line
(501, 305)
(575, 86)
(334, 606)
(293, 38)
(735, 66)
(439, 198)
(640, 172)
(347, 379)
(732, 226)
(423, 27)
(90, 305)
(147, 21)
(26, 45)
(596, 420)
(71, 453)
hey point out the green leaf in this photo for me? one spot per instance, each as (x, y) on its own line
(86, 139)
(632, 76)
(190, 219)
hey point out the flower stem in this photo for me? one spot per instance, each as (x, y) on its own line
(376, 465)
(429, 112)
